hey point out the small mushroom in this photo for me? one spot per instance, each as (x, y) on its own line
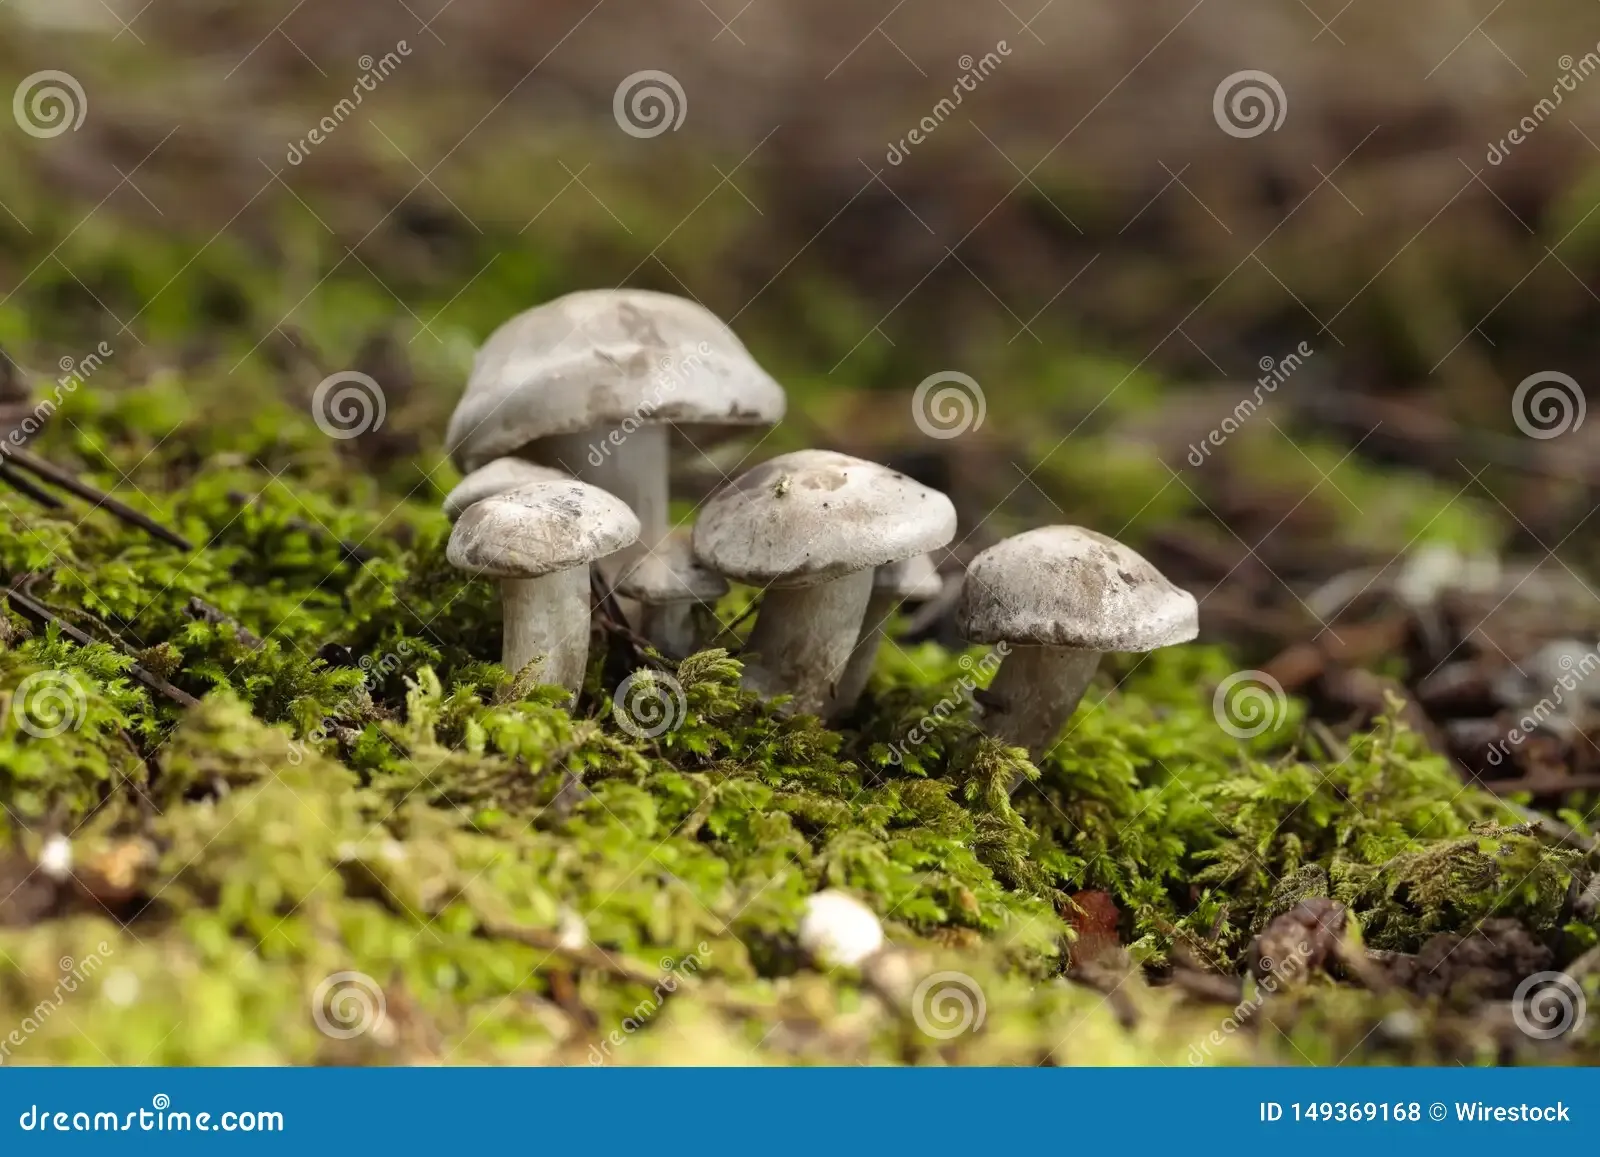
(1060, 597)
(671, 587)
(538, 541)
(501, 476)
(913, 580)
(591, 383)
(839, 930)
(810, 528)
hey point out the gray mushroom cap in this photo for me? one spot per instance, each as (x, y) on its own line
(915, 579)
(1065, 586)
(814, 516)
(541, 529)
(498, 477)
(601, 357)
(670, 574)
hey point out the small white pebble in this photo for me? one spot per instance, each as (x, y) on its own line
(55, 858)
(839, 929)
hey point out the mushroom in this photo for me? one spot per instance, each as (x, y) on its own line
(810, 528)
(669, 586)
(839, 930)
(915, 579)
(1059, 597)
(538, 541)
(591, 381)
(498, 477)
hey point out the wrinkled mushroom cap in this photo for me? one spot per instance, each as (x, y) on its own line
(813, 516)
(670, 574)
(915, 579)
(601, 357)
(1064, 586)
(541, 529)
(498, 477)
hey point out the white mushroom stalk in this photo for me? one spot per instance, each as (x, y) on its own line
(914, 580)
(538, 541)
(809, 528)
(1059, 597)
(675, 594)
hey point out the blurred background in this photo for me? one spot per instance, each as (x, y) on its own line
(1134, 218)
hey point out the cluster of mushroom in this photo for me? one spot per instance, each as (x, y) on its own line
(563, 435)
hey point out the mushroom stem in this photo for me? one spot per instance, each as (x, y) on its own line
(547, 619)
(1034, 693)
(632, 464)
(671, 628)
(874, 629)
(803, 638)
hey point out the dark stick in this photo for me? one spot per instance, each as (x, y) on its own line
(73, 485)
(28, 490)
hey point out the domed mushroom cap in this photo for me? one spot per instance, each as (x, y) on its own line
(670, 574)
(813, 516)
(915, 579)
(599, 357)
(498, 477)
(1064, 586)
(541, 529)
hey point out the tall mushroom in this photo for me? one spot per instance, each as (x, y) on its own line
(591, 383)
(670, 588)
(915, 579)
(499, 477)
(810, 528)
(539, 541)
(1060, 597)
